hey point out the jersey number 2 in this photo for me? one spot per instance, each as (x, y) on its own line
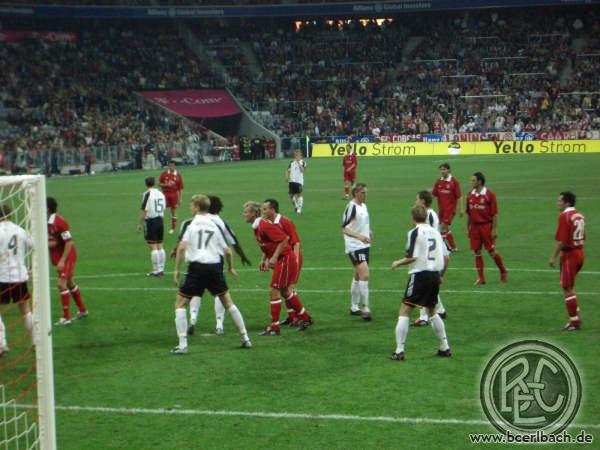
(430, 249)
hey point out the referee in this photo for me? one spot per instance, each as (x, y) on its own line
(426, 263)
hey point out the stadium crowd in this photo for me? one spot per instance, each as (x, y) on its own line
(471, 72)
(474, 72)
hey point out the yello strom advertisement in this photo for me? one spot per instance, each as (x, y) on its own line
(406, 149)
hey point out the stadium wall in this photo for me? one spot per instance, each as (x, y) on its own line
(406, 149)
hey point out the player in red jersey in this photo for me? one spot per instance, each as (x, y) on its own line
(482, 212)
(295, 309)
(171, 184)
(350, 162)
(570, 237)
(63, 255)
(447, 191)
(279, 256)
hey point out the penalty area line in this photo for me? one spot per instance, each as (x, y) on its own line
(283, 415)
(344, 291)
(325, 269)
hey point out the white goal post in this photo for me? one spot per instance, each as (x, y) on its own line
(26, 196)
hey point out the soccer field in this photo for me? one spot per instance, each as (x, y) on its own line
(333, 386)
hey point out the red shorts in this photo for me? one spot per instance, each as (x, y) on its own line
(480, 235)
(172, 199)
(69, 269)
(286, 272)
(446, 215)
(571, 263)
(350, 176)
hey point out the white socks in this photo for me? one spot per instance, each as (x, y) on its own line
(162, 257)
(158, 258)
(355, 295)
(363, 287)
(401, 333)
(195, 304)
(181, 324)
(440, 306)
(219, 313)
(440, 331)
(237, 318)
(154, 257)
(300, 203)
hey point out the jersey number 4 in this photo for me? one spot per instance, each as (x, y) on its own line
(12, 244)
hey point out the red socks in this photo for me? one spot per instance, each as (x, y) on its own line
(173, 222)
(479, 266)
(450, 239)
(499, 263)
(571, 304)
(65, 299)
(77, 297)
(275, 310)
(294, 302)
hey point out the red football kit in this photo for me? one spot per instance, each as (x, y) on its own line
(571, 232)
(289, 228)
(481, 210)
(58, 231)
(174, 184)
(350, 162)
(268, 235)
(447, 191)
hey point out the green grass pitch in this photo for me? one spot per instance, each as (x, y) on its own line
(117, 385)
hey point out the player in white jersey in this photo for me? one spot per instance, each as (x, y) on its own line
(203, 247)
(426, 261)
(357, 241)
(425, 199)
(230, 238)
(14, 243)
(151, 219)
(295, 177)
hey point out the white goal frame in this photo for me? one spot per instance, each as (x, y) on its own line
(42, 328)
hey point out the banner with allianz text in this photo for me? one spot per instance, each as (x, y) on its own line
(195, 103)
(409, 149)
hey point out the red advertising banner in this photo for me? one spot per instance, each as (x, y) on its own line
(195, 103)
(15, 36)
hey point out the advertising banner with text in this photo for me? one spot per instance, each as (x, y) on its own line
(405, 149)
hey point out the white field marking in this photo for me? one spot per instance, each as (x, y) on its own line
(316, 269)
(342, 291)
(285, 415)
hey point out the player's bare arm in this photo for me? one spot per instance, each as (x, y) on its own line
(348, 232)
(141, 219)
(238, 249)
(179, 256)
(229, 261)
(67, 250)
(402, 262)
(557, 249)
(273, 259)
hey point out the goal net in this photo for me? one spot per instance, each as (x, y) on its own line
(26, 375)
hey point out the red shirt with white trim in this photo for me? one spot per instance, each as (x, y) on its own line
(571, 229)
(58, 231)
(481, 206)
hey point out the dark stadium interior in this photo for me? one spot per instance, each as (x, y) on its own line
(502, 70)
